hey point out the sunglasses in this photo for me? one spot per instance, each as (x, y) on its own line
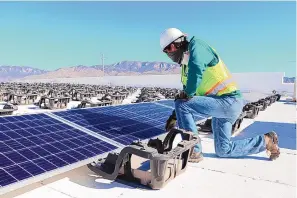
(167, 49)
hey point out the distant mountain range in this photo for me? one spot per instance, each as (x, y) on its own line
(14, 72)
(8, 73)
(118, 69)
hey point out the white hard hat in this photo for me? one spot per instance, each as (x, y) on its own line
(169, 35)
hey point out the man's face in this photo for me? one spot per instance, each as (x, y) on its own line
(171, 48)
(173, 53)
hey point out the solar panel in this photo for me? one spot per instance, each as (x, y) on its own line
(31, 145)
(123, 123)
(115, 123)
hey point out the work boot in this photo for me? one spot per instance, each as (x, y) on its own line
(271, 141)
(196, 157)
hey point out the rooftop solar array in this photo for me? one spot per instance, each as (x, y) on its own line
(32, 145)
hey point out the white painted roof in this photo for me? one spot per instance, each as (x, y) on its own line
(250, 177)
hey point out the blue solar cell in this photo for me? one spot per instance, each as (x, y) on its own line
(31, 168)
(17, 172)
(3, 128)
(44, 164)
(27, 153)
(10, 119)
(2, 120)
(28, 149)
(13, 134)
(20, 118)
(5, 178)
(11, 126)
(56, 161)
(22, 125)
(76, 155)
(3, 137)
(4, 161)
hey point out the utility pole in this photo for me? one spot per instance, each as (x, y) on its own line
(102, 59)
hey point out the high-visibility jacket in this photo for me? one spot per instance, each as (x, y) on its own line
(216, 80)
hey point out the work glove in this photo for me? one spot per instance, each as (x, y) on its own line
(182, 95)
(171, 121)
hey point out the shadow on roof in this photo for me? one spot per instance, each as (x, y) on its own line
(285, 131)
(213, 155)
(88, 179)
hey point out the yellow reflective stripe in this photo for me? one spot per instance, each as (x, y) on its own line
(228, 86)
(220, 86)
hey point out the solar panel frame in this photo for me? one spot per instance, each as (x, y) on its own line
(13, 160)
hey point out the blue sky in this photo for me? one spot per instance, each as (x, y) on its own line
(249, 36)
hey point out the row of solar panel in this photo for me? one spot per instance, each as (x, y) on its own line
(34, 144)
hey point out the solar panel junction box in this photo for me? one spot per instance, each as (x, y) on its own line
(151, 164)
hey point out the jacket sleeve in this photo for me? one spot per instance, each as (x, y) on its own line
(200, 57)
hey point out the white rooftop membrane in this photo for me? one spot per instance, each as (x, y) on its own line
(252, 176)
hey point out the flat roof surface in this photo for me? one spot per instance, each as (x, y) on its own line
(249, 177)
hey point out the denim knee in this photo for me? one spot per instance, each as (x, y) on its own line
(222, 151)
(179, 105)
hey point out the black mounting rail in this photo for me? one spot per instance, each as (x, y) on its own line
(165, 163)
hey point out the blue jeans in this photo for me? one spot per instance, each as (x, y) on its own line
(224, 112)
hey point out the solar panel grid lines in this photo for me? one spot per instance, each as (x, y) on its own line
(165, 112)
(118, 123)
(86, 130)
(131, 122)
(31, 151)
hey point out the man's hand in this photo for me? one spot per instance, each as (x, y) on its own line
(182, 95)
(171, 122)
